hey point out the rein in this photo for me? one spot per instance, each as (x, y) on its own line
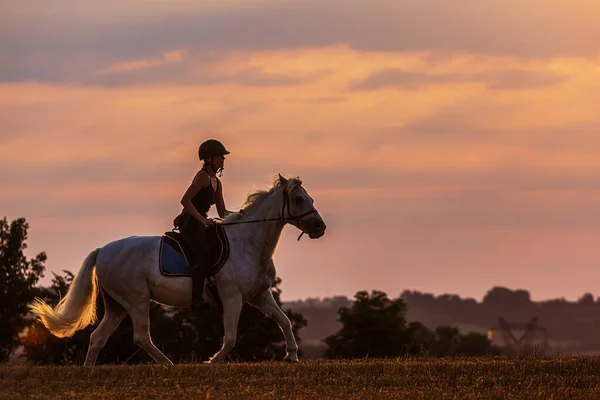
(281, 218)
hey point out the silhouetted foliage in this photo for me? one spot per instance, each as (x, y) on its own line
(476, 344)
(587, 299)
(259, 337)
(449, 342)
(18, 277)
(372, 326)
(506, 297)
(375, 326)
(572, 326)
(420, 339)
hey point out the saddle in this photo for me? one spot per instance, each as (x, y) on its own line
(176, 258)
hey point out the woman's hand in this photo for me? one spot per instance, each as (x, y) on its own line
(208, 221)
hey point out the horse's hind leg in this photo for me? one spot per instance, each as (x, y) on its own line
(113, 315)
(141, 333)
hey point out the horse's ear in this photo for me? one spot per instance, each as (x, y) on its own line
(282, 179)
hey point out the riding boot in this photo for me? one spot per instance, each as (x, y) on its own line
(198, 276)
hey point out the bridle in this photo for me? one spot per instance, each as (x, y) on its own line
(286, 202)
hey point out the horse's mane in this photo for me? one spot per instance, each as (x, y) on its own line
(254, 198)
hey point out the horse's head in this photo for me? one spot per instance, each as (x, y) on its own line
(298, 208)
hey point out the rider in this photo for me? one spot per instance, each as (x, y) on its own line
(204, 191)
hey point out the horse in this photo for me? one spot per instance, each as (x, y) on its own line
(126, 272)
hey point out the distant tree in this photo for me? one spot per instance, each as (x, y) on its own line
(449, 342)
(502, 296)
(420, 339)
(476, 344)
(18, 277)
(372, 326)
(449, 298)
(339, 301)
(375, 326)
(470, 302)
(586, 300)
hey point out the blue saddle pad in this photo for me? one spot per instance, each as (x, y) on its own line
(172, 262)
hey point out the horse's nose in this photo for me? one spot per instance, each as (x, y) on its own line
(321, 225)
(318, 229)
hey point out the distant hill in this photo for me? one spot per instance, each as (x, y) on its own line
(572, 327)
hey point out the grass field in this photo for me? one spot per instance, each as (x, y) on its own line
(468, 378)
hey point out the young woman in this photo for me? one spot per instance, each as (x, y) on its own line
(204, 191)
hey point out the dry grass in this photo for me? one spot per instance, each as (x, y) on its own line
(468, 378)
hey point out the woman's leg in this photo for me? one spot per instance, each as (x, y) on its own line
(195, 235)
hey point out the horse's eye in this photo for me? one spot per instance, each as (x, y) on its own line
(299, 200)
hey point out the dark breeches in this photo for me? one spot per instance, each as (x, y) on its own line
(195, 235)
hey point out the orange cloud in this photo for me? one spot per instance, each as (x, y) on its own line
(170, 57)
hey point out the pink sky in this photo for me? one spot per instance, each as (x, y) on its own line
(449, 148)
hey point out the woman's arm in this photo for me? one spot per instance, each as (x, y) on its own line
(221, 209)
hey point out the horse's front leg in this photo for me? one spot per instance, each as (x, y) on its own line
(231, 315)
(267, 304)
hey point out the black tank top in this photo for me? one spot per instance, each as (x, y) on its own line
(205, 198)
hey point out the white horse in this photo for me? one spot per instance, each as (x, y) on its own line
(127, 272)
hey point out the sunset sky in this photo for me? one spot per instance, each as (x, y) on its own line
(450, 146)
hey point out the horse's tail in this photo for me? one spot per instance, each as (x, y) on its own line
(77, 309)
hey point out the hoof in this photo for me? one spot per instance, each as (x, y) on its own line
(290, 360)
